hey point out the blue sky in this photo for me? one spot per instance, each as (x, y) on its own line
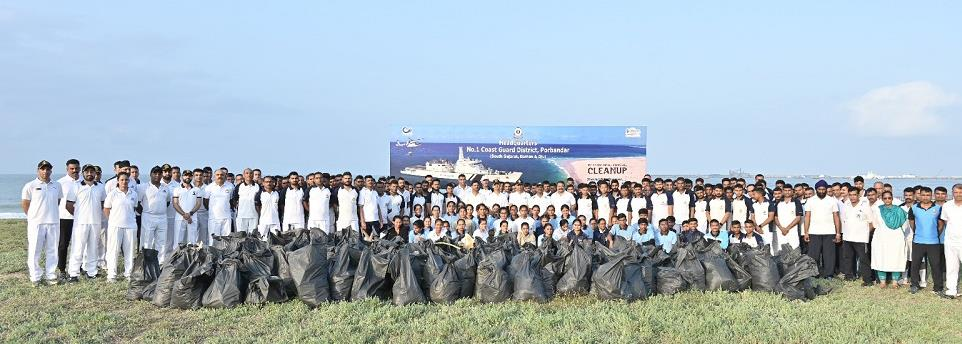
(811, 87)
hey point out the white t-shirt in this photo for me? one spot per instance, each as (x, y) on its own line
(822, 222)
(561, 198)
(346, 207)
(67, 185)
(319, 204)
(542, 201)
(245, 200)
(154, 200)
(659, 206)
(268, 202)
(392, 206)
(293, 206)
(44, 201)
(952, 215)
(368, 199)
(87, 203)
(218, 201)
(469, 197)
(856, 220)
(518, 198)
(121, 207)
(187, 198)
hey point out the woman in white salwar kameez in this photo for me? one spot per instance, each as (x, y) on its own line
(888, 242)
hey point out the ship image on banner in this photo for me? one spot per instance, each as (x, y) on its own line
(511, 154)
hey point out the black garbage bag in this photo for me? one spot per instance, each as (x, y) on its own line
(343, 268)
(172, 271)
(149, 291)
(762, 267)
(493, 282)
(301, 238)
(799, 269)
(371, 279)
(406, 290)
(467, 270)
(280, 239)
(576, 276)
(619, 279)
(228, 288)
(257, 250)
(551, 266)
(282, 269)
(718, 275)
(266, 289)
(229, 243)
(669, 281)
(525, 270)
(188, 291)
(146, 270)
(439, 269)
(308, 266)
(690, 267)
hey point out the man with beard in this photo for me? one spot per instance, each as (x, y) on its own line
(67, 184)
(822, 229)
(85, 202)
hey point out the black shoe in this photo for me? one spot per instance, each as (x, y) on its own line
(867, 284)
(946, 296)
(914, 289)
(73, 280)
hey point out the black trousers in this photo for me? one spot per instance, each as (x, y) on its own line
(855, 257)
(821, 247)
(934, 254)
(63, 247)
(374, 229)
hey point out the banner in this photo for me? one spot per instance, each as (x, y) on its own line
(530, 154)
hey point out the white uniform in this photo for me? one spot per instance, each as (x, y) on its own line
(219, 212)
(246, 212)
(187, 198)
(393, 205)
(153, 219)
(270, 219)
(121, 229)
(319, 204)
(88, 218)
(952, 215)
(172, 186)
(347, 209)
(67, 184)
(43, 227)
(561, 198)
(368, 200)
(785, 213)
(293, 209)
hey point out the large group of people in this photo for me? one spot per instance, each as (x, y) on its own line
(83, 224)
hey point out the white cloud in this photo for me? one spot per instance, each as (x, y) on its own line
(903, 110)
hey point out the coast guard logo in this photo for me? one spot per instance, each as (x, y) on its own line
(518, 132)
(406, 131)
(632, 132)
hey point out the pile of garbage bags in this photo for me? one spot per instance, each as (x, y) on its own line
(316, 268)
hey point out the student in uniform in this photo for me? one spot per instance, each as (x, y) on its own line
(716, 233)
(720, 207)
(345, 198)
(662, 202)
(586, 204)
(605, 203)
(525, 236)
(741, 205)
(367, 202)
(623, 204)
(121, 226)
(291, 204)
(763, 213)
(187, 201)
(85, 203)
(642, 233)
(749, 236)
(242, 200)
(788, 217)
(684, 200)
(318, 200)
(665, 237)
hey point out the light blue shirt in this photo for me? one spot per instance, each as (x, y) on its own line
(622, 232)
(723, 238)
(666, 241)
(641, 238)
(412, 237)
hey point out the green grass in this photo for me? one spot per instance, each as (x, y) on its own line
(97, 311)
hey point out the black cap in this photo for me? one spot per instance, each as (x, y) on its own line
(155, 169)
(97, 168)
(89, 167)
(44, 164)
(165, 167)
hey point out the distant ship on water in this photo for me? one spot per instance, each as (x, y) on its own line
(471, 168)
